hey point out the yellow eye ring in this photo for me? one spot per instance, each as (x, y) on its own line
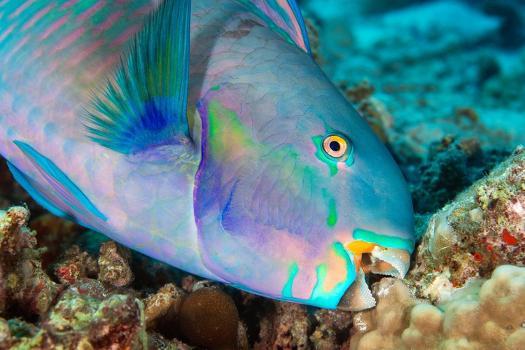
(335, 146)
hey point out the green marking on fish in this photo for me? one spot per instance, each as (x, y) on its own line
(292, 272)
(321, 272)
(383, 241)
(322, 296)
(331, 219)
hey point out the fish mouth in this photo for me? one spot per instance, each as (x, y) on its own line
(371, 258)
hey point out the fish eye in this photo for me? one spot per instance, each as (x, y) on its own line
(336, 146)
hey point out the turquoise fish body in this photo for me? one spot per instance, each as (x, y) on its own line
(204, 135)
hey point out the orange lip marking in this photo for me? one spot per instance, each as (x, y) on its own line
(358, 248)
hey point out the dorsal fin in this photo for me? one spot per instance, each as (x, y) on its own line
(285, 17)
(143, 104)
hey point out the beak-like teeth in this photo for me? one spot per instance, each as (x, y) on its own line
(390, 262)
(358, 297)
(382, 261)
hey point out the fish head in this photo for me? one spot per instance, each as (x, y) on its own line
(295, 196)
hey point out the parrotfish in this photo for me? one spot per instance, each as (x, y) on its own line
(203, 134)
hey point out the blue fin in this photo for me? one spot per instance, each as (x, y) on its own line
(284, 16)
(30, 186)
(63, 188)
(144, 103)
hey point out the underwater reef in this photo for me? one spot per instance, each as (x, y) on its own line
(466, 289)
(447, 98)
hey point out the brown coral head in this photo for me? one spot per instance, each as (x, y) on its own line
(209, 318)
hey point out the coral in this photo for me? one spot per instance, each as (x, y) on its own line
(482, 228)
(25, 285)
(55, 234)
(162, 308)
(75, 265)
(90, 314)
(158, 342)
(332, 326)
(379, 328)
(85, 316)
(487, 315)
(6, 339)
(209, 318)
(188, 282)
(451, 166)
(78, 313)
(286, 328)
(113, 264)
(84, 313)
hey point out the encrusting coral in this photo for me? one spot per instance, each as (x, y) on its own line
(163, 306)
(285, 328)
(473, 238)
(92, 305)
(332, 325)
(484, 227)
(99, 318)
(113, 265)
(482, 316)
(75, 265)
(25, 283)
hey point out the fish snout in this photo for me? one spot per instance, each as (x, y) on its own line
(373, 253)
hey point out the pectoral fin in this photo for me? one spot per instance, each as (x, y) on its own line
(60, 195)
